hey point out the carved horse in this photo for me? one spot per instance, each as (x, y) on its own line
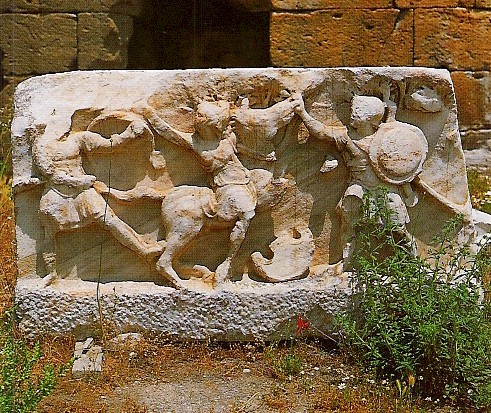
(238, 191)
(187, 210)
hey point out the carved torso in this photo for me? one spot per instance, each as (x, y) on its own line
(224, 165)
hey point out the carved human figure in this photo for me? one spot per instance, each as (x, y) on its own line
(379, 151)
(258, 130)
(234, 197)
(71, 198)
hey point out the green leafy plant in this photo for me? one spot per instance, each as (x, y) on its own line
(290, 364)
(285, 362)
(23, 381)
(415, 318)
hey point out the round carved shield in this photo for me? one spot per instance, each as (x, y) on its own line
(398, 152)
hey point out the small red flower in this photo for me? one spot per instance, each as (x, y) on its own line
(302, 324)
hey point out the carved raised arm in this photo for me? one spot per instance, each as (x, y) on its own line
(91, 141)
(270, 119)
(282, 112)
(167, 131)
(244, 150)
(336, 134)
(80, 182)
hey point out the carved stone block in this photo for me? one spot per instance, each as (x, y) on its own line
(219, 203)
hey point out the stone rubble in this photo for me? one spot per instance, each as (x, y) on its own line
(89, 359)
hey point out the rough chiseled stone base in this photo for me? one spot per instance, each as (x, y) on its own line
(241, 311)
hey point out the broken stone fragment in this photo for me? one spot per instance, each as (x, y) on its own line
(125, 341)
(89, 359)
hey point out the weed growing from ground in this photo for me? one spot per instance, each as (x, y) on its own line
(285, 362)
(421, 323)
(23, 381)
(7, 247)
(290, 364)
(6, 113)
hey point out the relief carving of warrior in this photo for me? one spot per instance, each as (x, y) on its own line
(235, 193)
(379, 151)
(72, 198)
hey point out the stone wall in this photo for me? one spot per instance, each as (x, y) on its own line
(46, 36)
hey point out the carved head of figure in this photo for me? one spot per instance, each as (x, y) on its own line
(367, 113)
(212, 118)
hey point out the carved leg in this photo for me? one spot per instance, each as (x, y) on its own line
(128, 237)
(52, 207)
(49, 256)
(179, 236)
(400, 218)
(237, 237)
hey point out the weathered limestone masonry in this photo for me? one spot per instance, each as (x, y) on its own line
(220, 203)
(46, 36)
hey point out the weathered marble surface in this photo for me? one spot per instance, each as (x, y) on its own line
(222, 185)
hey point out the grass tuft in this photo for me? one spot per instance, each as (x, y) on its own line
(8, 267)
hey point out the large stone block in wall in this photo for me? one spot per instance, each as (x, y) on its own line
(8, 85)
(128, 7)
(342, 38)
(404, 4)
(477, 148)
(103, 40)
(330, 4)
(453, 38)
(473, 93)
(34, 44)
(254, 5)
(219, 203)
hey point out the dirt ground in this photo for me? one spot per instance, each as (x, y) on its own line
(199, 378)
(161, 377)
